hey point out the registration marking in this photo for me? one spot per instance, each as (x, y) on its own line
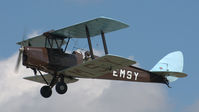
(125, 74)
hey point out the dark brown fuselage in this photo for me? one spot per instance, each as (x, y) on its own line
(49, 60)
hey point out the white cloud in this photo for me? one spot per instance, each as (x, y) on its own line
(128, 97)
(98, 52)
(87, 95)
(11, 83)
(17, 92)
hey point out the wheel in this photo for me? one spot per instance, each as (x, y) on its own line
(61, 87)
(46, 91)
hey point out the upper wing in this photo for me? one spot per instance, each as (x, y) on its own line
(97, 67)
(95, 27)
(48, 78)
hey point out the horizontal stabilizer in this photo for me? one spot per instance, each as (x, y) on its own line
(48, 78)
(97, 67)
(174, 74)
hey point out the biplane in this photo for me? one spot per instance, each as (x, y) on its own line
(46, 56)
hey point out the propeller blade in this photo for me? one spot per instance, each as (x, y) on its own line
(20, 52)
(18, 61)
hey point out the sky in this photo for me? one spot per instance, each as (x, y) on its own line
(157, 27)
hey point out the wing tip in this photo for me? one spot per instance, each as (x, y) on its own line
(109, 18)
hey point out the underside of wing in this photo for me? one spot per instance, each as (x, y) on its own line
(38, 41)
(169, 75)
(95, 27)
(97, 67)
(48, 78)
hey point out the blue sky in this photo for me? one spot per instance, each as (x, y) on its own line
(157, 27)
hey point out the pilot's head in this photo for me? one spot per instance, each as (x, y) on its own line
(87, 53)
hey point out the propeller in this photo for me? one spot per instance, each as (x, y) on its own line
(21, 50)
(19, 59)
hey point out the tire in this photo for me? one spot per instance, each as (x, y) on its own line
(46, 91)
(61, 87)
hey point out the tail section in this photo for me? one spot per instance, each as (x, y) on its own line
(170, 66)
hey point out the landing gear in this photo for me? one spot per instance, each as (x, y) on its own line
(46, 91)
(61, 87)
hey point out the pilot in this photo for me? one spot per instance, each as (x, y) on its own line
(87, 56)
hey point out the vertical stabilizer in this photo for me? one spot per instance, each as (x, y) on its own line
(173, 62)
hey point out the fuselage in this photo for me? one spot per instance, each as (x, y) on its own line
(52, 60)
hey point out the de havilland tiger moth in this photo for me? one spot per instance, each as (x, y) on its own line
(46, 56)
